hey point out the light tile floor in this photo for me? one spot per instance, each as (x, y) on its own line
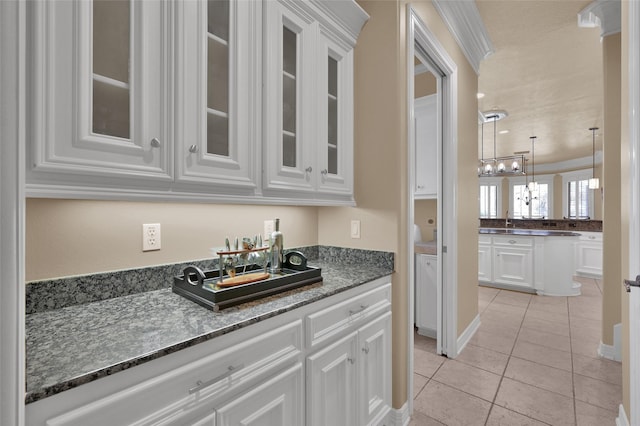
(533, 361)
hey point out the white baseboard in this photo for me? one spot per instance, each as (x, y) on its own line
(613, 352)
(400, 417)
(622, 420)
(467, 335)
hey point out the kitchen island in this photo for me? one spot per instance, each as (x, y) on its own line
(74, 353)
(529, 260)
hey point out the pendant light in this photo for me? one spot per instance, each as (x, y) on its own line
(594, 182)
(533, 185)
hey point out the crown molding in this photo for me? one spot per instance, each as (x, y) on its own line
(347, 14)
(576, 163)
(465, 24)
(601, 13)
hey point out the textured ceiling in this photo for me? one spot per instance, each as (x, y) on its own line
(547, 73)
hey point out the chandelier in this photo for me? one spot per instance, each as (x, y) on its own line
(498, 166)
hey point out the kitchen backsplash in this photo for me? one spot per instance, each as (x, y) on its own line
(58, 293)
(548, 224)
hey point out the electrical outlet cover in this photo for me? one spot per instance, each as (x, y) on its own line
(151, 238)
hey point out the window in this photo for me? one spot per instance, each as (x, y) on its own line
(527, 204)
(577, 199)
(488, 201)
(490, 197)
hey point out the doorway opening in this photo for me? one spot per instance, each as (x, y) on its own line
(432, 153)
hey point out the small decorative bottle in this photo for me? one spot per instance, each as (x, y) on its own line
(277, 255)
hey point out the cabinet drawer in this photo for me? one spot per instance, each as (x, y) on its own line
(329, 322)
(204, 382)
(591, 236)
(512, 241)
(484, 239)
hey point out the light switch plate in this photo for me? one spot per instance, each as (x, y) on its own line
(355, 229)
(151, 237)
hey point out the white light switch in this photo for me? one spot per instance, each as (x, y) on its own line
(151, 237)
(355, 229)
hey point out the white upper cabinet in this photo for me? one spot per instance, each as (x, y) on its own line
(217, 87)
(98, 90)
(290, 39)
(208, 100)
(308, 100)
(426, 156)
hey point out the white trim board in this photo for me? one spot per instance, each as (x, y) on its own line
(467, 334)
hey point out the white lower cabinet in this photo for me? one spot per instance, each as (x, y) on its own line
(331, 388)
(588, 255)
(266, 374)
(513, 265)
(485, 259)
(278, 401)
(426, 294)
(350, 380)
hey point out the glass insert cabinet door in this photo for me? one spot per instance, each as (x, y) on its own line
(308, 99)
(335, 132)
(97, 88)
(217, 82)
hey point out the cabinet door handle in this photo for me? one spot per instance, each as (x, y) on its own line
(324, 172)
(155, 143)
(230, 370)
(592, 237)
(512, 241)
(365, 349)
(357, 311)
(351, 360)
(308, 169)
(193, 148)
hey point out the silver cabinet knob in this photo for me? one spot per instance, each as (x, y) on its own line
(193, 148)
(155, 142)
(324, 172)
(308, 169)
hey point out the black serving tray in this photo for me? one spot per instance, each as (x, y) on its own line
(201, 286)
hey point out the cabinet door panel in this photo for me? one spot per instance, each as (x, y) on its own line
(426, 294)
(276, 402)
(98, 89)
(290, 83)
(331, 384)
(217, 88)
(513, 266)
(426, 158)
(374, 343)
(485, 270)
(335, 116)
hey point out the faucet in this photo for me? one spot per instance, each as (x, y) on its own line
(507, 222)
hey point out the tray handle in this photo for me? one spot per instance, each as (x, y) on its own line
(193, 270)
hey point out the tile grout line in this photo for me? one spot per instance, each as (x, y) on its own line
(493, 402)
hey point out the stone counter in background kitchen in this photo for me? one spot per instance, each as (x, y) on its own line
(80, 329)
(548, 224)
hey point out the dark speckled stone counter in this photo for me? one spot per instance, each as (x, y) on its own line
(77, 344)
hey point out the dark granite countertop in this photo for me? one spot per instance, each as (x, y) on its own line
(528, 232)
(77, 344)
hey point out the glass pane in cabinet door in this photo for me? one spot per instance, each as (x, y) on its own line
(217, 135)
(218, 77)
(110, 110)
(332, 134)
(289, 97)
(218, 18)
(111, 55)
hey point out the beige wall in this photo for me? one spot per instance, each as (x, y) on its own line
(624, 200)
(612, 274)
(381, 187)
(380, 157)
(73, 237)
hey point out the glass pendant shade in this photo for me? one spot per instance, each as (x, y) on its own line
(515, 166)
(594, 183)
(533, 186)
(501, 167)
